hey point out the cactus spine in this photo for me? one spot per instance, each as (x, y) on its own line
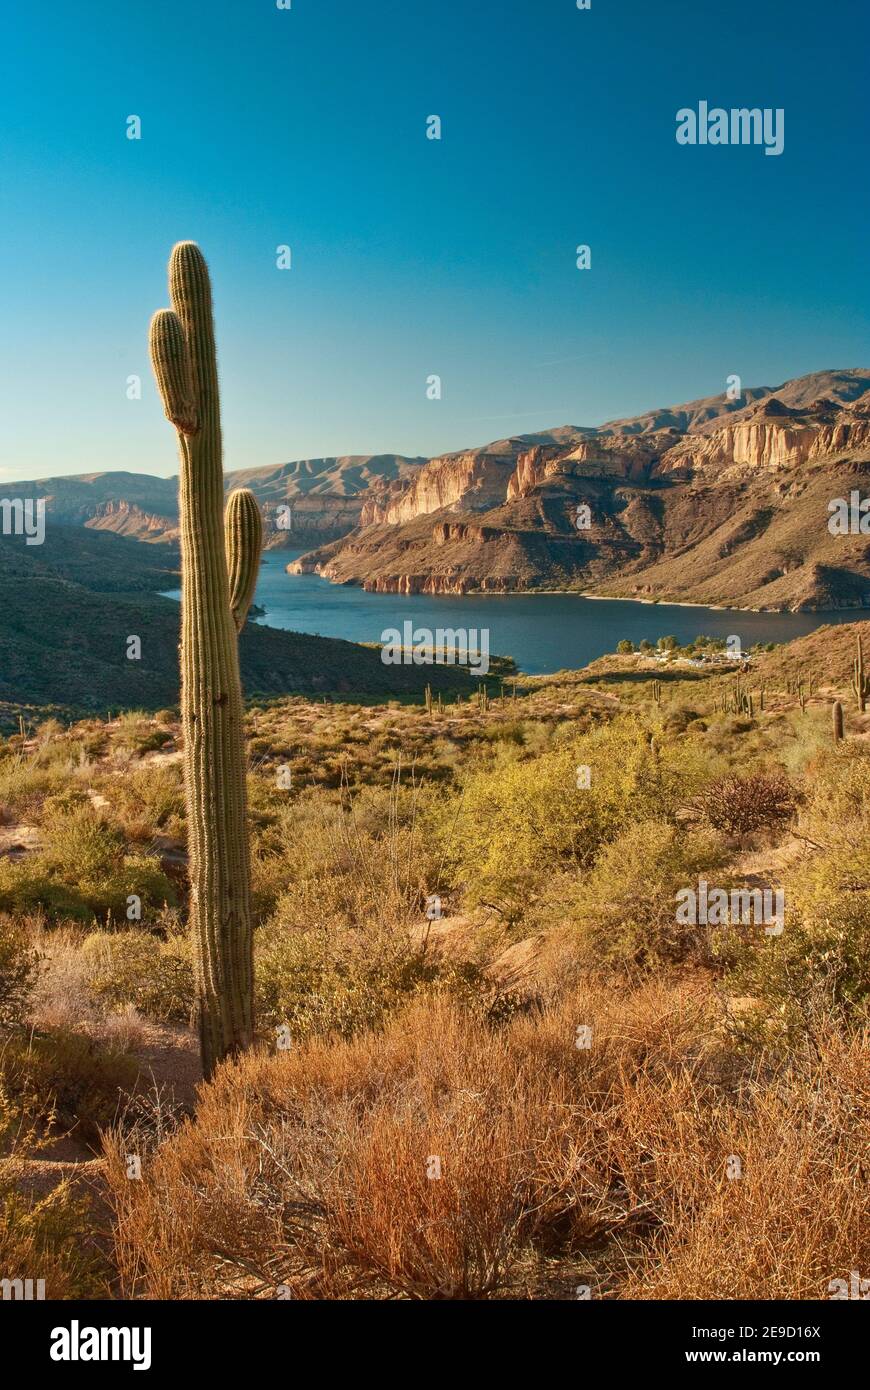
(860, 682)
(837, 719)
(216, 595)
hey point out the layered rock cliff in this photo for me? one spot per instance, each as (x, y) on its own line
(716, 501)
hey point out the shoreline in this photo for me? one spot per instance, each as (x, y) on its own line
(567, 593)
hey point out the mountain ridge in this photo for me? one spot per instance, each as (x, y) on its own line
(732, 508)
(714, 500)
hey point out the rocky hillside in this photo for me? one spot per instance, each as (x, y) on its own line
(714, 501)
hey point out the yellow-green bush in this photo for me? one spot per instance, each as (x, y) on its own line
(82, 871)
(18, 962)
(133, 967)
(65, 1076)
(47, 1237)
(815, 976)
(341, 979)
(518, 821)
(148, 799)
(622, 912)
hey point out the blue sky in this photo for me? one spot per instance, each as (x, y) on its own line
(307, 127)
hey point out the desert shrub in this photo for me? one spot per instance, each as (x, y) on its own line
(837, 809)
(513, 731)
(65, 1077)
(133, 968)
(796, 1220)
(82, 871)
(815, 976)
(137, 733)
(147, 800)
(624, 909)
(367, 854)
(46, 1237)
(559, 1165)
(319, 973)
(18, 964)
(518, 821)
(81, 845)
(26, 885)
(24, 784)
(739, 805)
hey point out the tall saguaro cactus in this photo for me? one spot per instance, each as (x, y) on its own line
(219, 571)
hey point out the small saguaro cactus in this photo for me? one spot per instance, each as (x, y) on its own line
(837, 721)
(428, 697)
(220, 556)
(657, 691)
(860, 681)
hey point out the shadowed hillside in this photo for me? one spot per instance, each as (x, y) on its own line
(70, 605)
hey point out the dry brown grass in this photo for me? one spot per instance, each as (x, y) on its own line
(604, 1166)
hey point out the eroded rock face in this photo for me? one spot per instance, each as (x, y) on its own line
(718, 500)
(766, 442)
(477, 479)
(326, 497)
(730, 508)
(127, 519)
(618, 456)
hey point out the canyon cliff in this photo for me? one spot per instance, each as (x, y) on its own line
(715, 501)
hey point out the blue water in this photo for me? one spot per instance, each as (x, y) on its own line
(542, 632)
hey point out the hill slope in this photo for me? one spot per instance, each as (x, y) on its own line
(326, 497)
(709, 502)
(70, 606)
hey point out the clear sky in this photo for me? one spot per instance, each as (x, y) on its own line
(411, 257)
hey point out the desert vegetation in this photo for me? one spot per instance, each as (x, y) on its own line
(489, 1061)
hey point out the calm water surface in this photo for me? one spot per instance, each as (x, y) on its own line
(542, 632)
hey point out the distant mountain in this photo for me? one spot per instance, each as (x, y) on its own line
(325, 496)
(713, 501)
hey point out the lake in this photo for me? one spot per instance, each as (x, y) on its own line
(542, 632)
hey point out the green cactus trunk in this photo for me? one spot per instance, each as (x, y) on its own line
(837, 721)
(860, 682)
(184, 359)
